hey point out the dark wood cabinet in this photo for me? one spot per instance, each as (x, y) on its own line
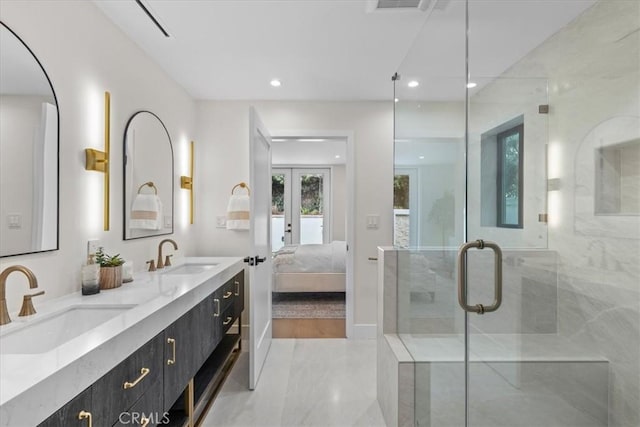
(179, 346)
(69, 415)
(118, 390)
(191, 357)
(148, 409)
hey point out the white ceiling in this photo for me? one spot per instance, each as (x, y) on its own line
(333, 49)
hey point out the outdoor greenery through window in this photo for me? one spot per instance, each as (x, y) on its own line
(311, 197)
(509, 177)
(401, 192)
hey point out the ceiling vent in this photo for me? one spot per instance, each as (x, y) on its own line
(402, 4)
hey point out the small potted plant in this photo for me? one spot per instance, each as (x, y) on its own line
(110, 270)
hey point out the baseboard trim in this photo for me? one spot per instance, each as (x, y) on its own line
(364, 331)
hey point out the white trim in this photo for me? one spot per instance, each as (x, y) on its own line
(364, 331)
(350, 218)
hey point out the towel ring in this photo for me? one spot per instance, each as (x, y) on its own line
(148, 184)
(241, 185)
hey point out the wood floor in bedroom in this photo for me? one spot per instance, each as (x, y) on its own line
(309, 328)
(309, 315)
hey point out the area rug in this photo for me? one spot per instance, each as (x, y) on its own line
(309, 305)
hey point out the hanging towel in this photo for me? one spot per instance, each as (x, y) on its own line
(238, 212)
(146, 212)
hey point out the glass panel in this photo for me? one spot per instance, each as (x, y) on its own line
(429, 129)
(401, 212)
(311, 208)
(554, 353)
(277, 211)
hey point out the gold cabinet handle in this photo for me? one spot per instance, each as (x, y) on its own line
(217, 303)
(229, 319)
(86, 415)
(227, 294)
(173, 344)
(237, 287)
(143, 373)
(144, 422)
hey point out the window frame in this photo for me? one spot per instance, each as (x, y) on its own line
(500, 138)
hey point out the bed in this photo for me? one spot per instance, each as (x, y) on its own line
(310, 268)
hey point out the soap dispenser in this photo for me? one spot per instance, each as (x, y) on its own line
(90, 277)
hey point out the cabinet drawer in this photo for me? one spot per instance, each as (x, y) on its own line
(68, 415)
(147, 411)
(118, 390)
(226, 295)
(226, 320)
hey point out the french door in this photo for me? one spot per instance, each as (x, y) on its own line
(301, 206)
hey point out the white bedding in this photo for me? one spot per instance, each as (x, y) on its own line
(327, 258)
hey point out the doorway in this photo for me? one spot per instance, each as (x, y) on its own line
(309, 237)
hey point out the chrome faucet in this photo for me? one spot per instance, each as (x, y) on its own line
(33, 283)
(160, 263)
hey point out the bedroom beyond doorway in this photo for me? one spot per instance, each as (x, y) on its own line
(309, 238)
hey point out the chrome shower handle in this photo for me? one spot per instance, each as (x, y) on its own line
(462, 277)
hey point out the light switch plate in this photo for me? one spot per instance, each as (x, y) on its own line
(373, 221)
(168, 221)
(221, 221)
(14, 221)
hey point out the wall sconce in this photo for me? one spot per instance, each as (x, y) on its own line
(186, 182)
(99, 160)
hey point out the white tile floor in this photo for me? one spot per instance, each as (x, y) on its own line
(305, 382)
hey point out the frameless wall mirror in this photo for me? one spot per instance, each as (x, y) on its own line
(148, 177)
(28, 151)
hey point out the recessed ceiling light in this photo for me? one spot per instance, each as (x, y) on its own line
(396, 100)
(337, 156)
(471, 85)
(276, 83)
(278, 140)
(311, 140)
(421, 157)
(413, 83)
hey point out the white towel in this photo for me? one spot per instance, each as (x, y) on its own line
(238, 212)
(146, 212)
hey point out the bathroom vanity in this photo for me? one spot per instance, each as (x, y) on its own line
(152, 352)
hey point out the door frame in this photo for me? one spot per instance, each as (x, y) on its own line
(347, 135)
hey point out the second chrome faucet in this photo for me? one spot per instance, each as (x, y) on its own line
(160, 263)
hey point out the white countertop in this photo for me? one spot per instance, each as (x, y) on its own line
(33, 386)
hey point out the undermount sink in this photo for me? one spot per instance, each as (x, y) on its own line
(50, 331)
(191, 268)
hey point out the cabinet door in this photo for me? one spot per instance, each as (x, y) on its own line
(68, 415)
(179, 345)
(206, 339)
(118, 390)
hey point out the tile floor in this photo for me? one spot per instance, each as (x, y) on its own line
(305, 382)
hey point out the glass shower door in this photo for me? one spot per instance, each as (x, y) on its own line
(515, 128)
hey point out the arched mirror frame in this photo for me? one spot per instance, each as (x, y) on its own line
(125, 206)
(55, 98)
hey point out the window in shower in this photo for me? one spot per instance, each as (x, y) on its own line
(502, 154)
(509, 177)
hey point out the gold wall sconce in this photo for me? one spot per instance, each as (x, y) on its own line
(97, 160)
(186, 182)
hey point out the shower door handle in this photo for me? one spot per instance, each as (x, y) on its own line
(462, 277)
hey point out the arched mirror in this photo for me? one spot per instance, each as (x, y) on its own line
(148, 177)
(28, 151)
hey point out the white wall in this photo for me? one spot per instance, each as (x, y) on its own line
(84, 55)
(222, 149)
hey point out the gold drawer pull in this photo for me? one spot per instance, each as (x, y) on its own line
(173, 344)
(143, 373)
(229, 319)
(237, 287)
(227, 294)
(86, 415)
(217, 302)
(144, 422)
